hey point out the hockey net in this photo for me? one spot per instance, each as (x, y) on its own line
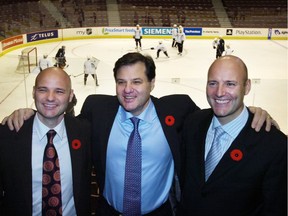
(95, 60)
(27, 60)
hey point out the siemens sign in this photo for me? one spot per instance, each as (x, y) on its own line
(156, 31)
(193, 31)
(168, 31)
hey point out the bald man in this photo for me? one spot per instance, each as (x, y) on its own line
(22, 153)
(250, 175)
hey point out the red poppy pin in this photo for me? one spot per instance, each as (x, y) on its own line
(236, 155)
(169, 120)
(76, 144)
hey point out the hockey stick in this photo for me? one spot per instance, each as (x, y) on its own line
(152, 48)
(77, 75)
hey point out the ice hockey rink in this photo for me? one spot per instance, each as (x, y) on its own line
(266, 61)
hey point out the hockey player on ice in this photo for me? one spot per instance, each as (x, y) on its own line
(228, 50)
(174, 35)
(138, 36)
(161, 47)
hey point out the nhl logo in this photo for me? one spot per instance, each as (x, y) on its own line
(89, 31)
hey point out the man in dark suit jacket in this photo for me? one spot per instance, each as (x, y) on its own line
(161, 120)
(103, 110)
(16, 149)
(97, 108)
(251, 176)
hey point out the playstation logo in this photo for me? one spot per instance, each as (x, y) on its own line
(229, 31)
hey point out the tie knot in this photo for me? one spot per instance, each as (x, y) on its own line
(218, 132)
(50, 135)
(135, 121)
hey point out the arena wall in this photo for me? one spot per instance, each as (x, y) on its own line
(32, 39)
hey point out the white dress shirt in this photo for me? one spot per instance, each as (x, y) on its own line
(39, 141)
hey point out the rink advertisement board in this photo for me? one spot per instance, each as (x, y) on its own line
(236, 33)
(152, 32)
(81, 33)
(36, 36)
(247, 33)
(193, 31)
(148, 32)
(279, 34)
(11, 42)
(93, 32)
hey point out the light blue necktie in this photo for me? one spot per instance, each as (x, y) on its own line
(133, 168)
(214, 155)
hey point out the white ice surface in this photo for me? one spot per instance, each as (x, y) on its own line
(266, 62)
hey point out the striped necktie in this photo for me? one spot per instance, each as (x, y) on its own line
(214, 154)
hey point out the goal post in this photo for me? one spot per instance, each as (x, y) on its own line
(95, 61)
(27, 60)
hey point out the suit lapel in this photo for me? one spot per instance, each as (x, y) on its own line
(231, 158)
(106, 127)
(199, 151)
(170, 131)
(76, 154)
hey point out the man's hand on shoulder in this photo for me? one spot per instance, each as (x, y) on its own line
(260, 117)
(17, 118)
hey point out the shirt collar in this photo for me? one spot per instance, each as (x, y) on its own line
(234, 127)
(147, 115)
(41, 129)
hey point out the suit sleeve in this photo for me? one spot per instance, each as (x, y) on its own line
(1, 196)
(275, 181)
(4, 132)
(86, 111)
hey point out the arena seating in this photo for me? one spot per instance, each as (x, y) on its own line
(194, 13)
(73, 11)
(20, 16)
(257, 14)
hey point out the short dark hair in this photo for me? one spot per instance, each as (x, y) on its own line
(133, 58)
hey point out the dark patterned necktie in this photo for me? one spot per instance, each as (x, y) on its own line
(51, 185)
(133, 168)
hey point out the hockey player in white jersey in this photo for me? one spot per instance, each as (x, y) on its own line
(161, 47)
(44, 62)
(174, 35)
(181, 37)
(90, 67)
(228, 50)
(215, 44)
(138, 36)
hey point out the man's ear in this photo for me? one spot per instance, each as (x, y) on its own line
(152, 84)
(247, 86)
(33, 92)
(71, 95)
